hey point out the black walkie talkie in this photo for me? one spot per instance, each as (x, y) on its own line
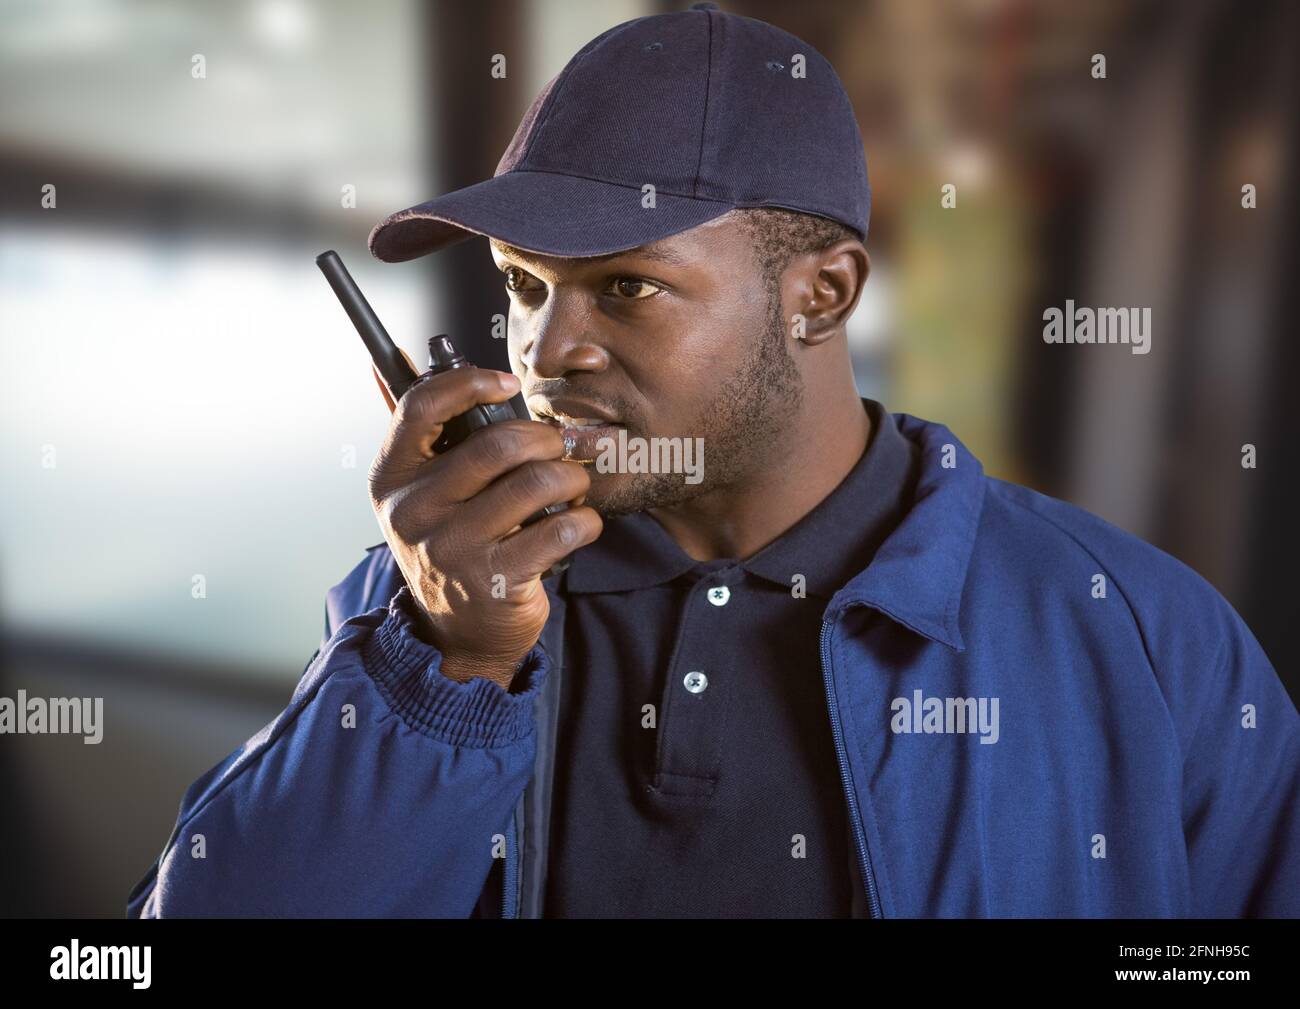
(443, 356)
(399, 376)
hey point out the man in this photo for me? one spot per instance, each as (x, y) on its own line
(833, 671)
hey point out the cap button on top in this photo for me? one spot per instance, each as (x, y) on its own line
(704, 7)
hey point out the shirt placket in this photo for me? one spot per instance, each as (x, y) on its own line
(693, 709)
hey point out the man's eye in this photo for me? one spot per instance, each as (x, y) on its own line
(633, 288)
(515, 279)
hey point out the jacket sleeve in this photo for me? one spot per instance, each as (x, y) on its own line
(1241, 787)
(384, 789)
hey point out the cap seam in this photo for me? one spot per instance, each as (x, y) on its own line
(544, 115)
(704, 120)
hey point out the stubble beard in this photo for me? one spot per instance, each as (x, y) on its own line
(743, 427)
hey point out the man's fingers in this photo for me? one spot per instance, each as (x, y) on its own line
(530, 552)
(525, 490)
(425, 407)
(492, 452)
(485, 460)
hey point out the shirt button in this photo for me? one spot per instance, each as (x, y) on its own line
(696, 681)
(718, 596)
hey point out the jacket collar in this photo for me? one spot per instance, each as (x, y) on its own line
(919, 572)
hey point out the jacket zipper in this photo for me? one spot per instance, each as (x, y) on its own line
(511, 873)
(859, 838)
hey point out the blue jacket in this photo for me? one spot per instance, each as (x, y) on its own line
(1146, 762)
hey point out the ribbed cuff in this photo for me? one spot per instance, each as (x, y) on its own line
(477, 713)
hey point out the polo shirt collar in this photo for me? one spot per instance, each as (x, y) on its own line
(839, 536)
(633, 552)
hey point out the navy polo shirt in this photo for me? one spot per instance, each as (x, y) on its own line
(695, 771)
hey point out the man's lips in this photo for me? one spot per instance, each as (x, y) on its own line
(582, 441)
(582, 424)
(574, 412)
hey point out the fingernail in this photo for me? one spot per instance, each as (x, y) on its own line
(509, 382)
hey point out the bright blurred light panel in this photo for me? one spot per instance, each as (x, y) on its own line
(199, 403)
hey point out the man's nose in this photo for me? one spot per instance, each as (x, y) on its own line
(561, 342)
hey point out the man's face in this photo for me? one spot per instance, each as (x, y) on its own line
(674, 339)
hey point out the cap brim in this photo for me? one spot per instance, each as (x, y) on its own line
(559, 215)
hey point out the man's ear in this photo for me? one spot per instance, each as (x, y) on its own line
(825, 287)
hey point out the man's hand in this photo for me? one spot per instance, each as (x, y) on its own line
(453, 520)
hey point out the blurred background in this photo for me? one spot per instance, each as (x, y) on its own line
(188, 417)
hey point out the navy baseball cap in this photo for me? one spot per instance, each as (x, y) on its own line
(714, 110)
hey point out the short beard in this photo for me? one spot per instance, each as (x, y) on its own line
(742, 426)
